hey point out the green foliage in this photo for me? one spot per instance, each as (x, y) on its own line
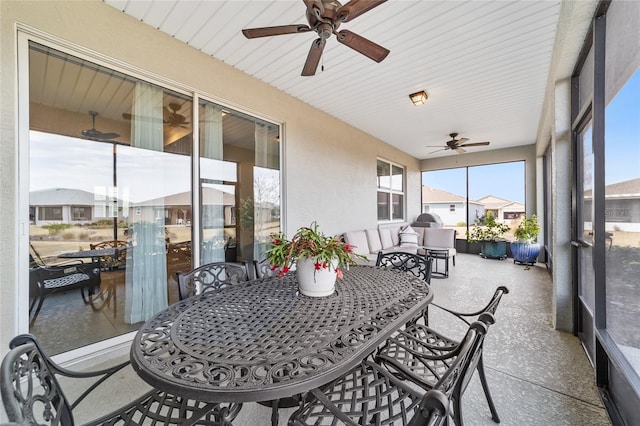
(528, 229)
(103, 223)
(461, 224)
(55, 228)
(490, 231)
(308, 242)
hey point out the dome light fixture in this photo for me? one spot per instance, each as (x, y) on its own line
(418, 98)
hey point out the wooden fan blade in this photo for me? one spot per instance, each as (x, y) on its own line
(466, 145)
(460, 150)
(274, 31)
(355, 8)
(461, 141)
(313, 58)
(437, 150)
(127, 116)
(360, 44)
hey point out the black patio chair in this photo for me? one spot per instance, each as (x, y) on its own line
(211, 276)
(263, 269)
(401, 351)
(417, 265)
(32, 394)
(370, 394)
(45, 280)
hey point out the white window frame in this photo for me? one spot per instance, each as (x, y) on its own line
(391, 192)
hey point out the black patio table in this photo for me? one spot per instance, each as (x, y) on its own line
(262, 340)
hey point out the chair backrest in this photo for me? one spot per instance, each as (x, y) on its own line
(440, 237)
(30, 391)
(211, 276)
(262, 269)
(35, 259)
(435, 405)
(414, 264)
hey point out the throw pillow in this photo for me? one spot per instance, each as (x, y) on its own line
(408, 237)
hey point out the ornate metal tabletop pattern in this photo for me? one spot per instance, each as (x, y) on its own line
(262, 340)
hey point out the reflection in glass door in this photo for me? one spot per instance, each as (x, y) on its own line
(585, 234)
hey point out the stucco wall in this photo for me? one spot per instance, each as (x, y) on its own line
(329, 166)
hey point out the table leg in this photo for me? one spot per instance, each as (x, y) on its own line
(274, 413)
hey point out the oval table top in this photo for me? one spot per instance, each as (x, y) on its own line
(262, 340)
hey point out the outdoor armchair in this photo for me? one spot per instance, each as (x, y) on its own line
(370, 394)
(32, 394)
(402, 352)
(46, 280)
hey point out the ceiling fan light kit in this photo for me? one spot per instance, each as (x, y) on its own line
(324, 17)
(419, 98)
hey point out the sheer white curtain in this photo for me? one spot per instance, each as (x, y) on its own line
(212, 199)
(266, 186)
(146, 273)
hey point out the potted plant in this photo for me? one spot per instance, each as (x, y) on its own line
(525, 250)
(318, 259)
(490, 235)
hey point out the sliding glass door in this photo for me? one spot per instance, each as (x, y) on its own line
(111, 168)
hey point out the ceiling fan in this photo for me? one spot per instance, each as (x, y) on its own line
(457, 144)
(170, 116)
(325, 16)
(97, 135)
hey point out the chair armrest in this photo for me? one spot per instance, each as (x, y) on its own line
(468, 317)
(106, 373)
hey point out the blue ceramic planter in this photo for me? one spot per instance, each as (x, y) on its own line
(525, 253)
(494, 250)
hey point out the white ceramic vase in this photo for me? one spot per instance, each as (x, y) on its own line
(315, 283)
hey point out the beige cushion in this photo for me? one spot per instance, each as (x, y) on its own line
(395, 234)
(358, 239)
(373, 237)
(385, 238)
(439, 237)
(408, 238)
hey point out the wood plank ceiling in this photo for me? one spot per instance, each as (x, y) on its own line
(484, 64)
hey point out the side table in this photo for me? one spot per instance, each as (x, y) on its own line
(436, 255)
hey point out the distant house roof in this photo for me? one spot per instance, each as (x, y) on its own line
(625, 189)
(513, 206)
(61, 197)
(434, 195)
(491, 202)
(209, 196)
